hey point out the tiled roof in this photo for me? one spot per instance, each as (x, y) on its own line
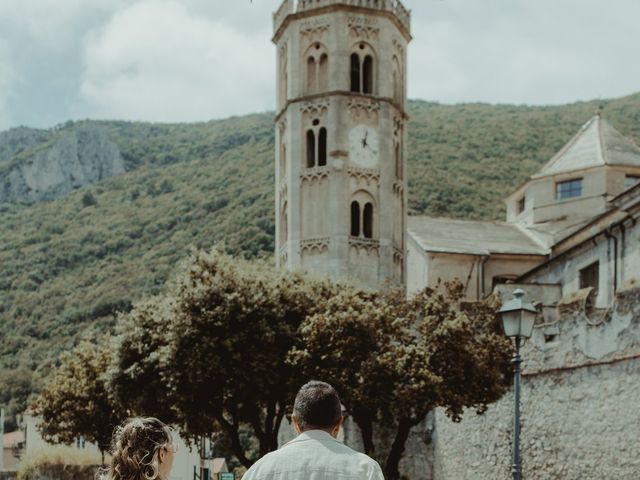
(219, 465)
(447, 235)
(13, 438)
(596, 144)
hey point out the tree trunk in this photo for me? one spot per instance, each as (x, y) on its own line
(276, 428)
(236, 445)
(365, 422)
(391, 468)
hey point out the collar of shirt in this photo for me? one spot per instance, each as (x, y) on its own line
(318, 435)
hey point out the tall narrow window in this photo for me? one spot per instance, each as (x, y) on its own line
(311, 75)
(367, 221)
(367, 74)
(522, 203)
(283, 160)
(323, 73)
(590, 277)
(355, 219)
(322, 147)
(311, 149)
(398, 162)
(355, 72)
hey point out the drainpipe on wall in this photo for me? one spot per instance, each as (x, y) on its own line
(483, 260)
(609, 235)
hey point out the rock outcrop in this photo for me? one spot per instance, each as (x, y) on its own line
(41, 166)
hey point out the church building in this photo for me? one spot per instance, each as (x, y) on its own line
(571, 231)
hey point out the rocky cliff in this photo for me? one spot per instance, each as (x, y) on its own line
(37, 165)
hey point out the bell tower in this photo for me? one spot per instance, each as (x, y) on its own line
(341, 138)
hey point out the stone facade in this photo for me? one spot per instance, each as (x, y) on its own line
(341, 136)
(580, 403)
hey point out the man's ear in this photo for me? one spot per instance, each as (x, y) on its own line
(336, 429)
(296, 425)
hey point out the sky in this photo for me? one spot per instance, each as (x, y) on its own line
(196, 60)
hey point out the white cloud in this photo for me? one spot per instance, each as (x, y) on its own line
(158, 61)
(523, 52)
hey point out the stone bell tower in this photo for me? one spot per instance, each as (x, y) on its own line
(341, 137)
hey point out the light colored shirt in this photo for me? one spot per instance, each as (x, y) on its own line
(314, 455)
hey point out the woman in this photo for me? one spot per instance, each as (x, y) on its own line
(142, 450)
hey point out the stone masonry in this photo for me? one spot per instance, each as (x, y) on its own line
(580, 405)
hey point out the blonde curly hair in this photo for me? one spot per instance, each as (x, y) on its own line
(135, 450)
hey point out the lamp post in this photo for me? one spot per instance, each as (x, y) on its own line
(518, 317)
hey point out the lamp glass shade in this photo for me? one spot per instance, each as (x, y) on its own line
(518, 323)
(526, 323)
(511, 323)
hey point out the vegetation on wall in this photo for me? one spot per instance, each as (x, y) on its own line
(67, 266)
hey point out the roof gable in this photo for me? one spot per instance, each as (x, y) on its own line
(596, 144)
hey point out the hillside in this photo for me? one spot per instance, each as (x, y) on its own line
(67, 265)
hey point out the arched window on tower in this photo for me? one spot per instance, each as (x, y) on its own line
(311, 149)
(367, 75)
(284, 224)
(362, 69)
(355, 72)
(355, 219)
(367, 221)
(311, 75)
(398, 85)
(323, 73)
(283, 160)
(316, 69)
(398, 161)
(322, 147)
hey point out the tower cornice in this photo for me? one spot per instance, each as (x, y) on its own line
(340, 93)
(391, 9)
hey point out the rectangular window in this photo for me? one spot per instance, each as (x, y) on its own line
(569, 189)
(631, 181)
(590, 276)
(521, 204)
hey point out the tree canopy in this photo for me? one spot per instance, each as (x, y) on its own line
(75, 402)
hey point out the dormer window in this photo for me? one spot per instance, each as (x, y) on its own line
(569, 189)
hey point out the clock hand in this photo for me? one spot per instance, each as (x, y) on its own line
(364, 140)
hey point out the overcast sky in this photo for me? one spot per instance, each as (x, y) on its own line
(192, 60)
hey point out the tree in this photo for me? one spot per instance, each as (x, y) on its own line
(215, 349)
(75, 402)
(394, 360)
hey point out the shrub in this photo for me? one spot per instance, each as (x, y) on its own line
(59, 463)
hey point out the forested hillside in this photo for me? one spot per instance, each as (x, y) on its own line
(66, 266)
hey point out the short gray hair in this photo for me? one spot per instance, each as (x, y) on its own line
(317, 405)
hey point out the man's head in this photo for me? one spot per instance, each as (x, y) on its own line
(317, 407)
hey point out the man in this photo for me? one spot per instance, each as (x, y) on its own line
(315, 454)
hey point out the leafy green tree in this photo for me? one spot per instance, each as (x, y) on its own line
(394, 360)
(75, 402)
(16, 388)
(215, 349)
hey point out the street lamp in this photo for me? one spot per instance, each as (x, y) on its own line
(518, 317)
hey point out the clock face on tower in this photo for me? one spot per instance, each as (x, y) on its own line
(363, 146)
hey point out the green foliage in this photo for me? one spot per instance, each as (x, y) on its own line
(394, 360)
(75, 402)
(221, 316)
(88, 199)
(63, 463)
(16, 387)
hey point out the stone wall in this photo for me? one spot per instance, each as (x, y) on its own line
(580, 404)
